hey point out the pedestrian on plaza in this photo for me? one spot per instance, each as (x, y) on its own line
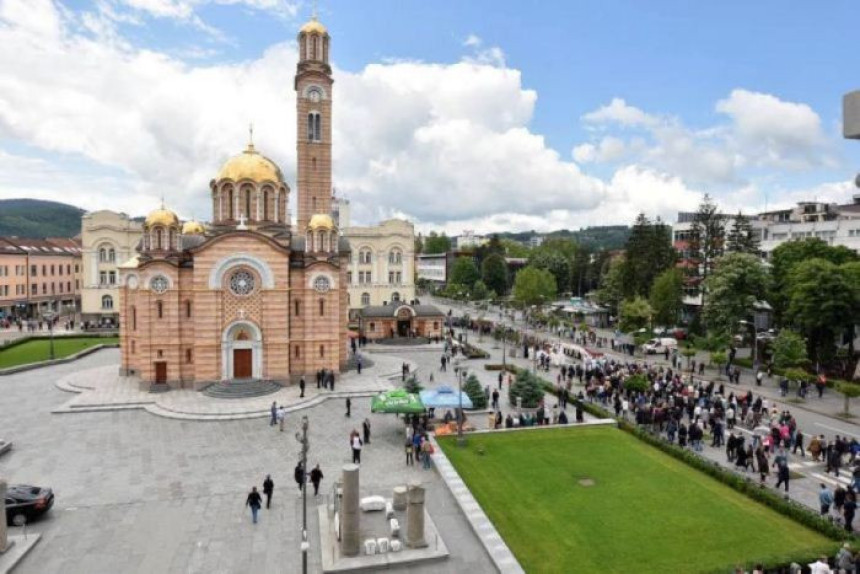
(365, 429)
(356, 444)
(358, 365)
(845, 559)
(781, 463)
(839, 498)
(274, 412)
(762, 464)
(299, 475)
(316, 477)
(850, 509)
(426, 451)
(282, 415)
(254, 501)
(501, 377)
(319, 379)
(496, 399)
(348, 406)
(798, 443)
(268, 489)
(302, 388)
(701, 368)
(825, 499)
(815, 447)
(410, 459)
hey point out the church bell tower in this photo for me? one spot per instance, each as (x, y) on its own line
(313, 86)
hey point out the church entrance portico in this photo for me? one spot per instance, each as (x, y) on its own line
(242, 352)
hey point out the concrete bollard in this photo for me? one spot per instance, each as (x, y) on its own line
(4, 541)
(350, 543)
(399, 498)
(415, 516)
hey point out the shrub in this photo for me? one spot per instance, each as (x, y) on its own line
(498, 367)
(475, 392)
(637, 383)
(529, 387)
(412, 385)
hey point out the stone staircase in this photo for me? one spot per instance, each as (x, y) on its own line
(241, 389)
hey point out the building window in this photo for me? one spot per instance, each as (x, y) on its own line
(435, 325)
(159, 284)
(102, 255)
(372, 327)
(364, 256)
(107, 302)
(297, 306)
(395, 257)
(188, 309)
(298, 353)
(322, 351)
(134, 318)
(69, 286)
(322, 284)
(112, 255)
(102, 277)
(242, 283)
(159, 309)
(132, 347)
(322, 308)
(395, 297)
(349, 277)
(314, 129)
(365, 298)
(34, 289)
(112, 277)
(188, 356)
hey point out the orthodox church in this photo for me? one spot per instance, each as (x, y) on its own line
(247, 296)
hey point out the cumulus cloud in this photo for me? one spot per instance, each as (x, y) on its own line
(619, 112)
(609, 149)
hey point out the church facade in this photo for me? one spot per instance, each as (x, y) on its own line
(248, 296)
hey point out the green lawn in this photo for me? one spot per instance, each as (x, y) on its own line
(40, 349)
(646, 512)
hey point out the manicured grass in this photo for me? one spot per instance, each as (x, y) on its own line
(646, 511)
(40, 349)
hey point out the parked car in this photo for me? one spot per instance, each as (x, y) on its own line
(27, 501)
(660, 345)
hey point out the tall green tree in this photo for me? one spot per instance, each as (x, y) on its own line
(648, 253)
(706, 243)
(742, 238)
(785, 257)
(667, 296)
(464, 272)
(579, 266)
(611, 291)
(736, 283)
(634, 314)
(555, 262)
(823, 303)
(435, 243)
(494, 273)
(789, 350)
(534, 286)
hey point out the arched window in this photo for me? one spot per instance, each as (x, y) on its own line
(134, 318)
(322, 307)
(365, 298)
(395, 257)
(314, 127)
(364, 256)
(112, 255)
(107, 302)
(321, 246)
(172, 244)
(298, 307)
(159, 309)
(230, 204)
(188, 309)
(322, 351)
(395, 297)
(158, 239)
(266, 205)
(248, 203)
(102, 255)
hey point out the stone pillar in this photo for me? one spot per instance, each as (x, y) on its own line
(350, 541)
(415, 516)
(3, 540)
(399, 500)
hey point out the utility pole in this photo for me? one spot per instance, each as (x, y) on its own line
(302, 438)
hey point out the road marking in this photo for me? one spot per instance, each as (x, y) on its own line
(832, 480)
(840, 431)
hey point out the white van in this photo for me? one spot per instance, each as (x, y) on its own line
(660, 345)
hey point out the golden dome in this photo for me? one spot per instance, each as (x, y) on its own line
(250, 164)
(321, 221)
(161, 216)
(313, 25)
(193, 228)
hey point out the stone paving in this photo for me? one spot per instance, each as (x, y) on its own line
(102, 389)
(138, 493)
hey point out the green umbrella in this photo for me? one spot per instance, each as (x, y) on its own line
(396, 401)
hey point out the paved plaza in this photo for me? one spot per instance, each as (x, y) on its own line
(143, 493)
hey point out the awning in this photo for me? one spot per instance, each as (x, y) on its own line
(397, 401)
(445, 397)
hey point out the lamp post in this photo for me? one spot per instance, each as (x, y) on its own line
(755, 342)
(460, 373)
(303, 440)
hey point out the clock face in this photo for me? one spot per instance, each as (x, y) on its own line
(314, 95)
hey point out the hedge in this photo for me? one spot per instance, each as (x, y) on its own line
(750, 488)
(498, 367)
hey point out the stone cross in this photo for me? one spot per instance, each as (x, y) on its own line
(241, 313)
(242, 220)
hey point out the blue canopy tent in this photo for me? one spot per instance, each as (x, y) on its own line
(444, 397)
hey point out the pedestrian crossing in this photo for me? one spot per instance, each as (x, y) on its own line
(815, 470)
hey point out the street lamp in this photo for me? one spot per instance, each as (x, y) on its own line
(303, 440)
(460, 373)
(755, 342)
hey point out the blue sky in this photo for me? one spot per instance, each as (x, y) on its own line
(700, 90)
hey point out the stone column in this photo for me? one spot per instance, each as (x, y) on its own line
(350, 541)
(3, 540)
(399, 501)
(415, 516)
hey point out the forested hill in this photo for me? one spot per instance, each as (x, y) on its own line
(34, 218)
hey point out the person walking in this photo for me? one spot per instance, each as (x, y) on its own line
(302, 388)
(299, 476)
(781, 463)
(410, 459)
(825, 499)
(274, 412)
(426, 451)
(496, 400)
(358, 365)
(254, 501)
(849, 509)
(348, 406)
(282, 416)
(356, 444)
(316, 477)
(365, 430)
(268, 490)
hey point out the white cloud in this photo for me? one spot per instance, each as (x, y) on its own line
(619, 112)
(610, 149)
(472, 41)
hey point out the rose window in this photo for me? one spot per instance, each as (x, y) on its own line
(322, 284)
(242, 283)
(159, 284)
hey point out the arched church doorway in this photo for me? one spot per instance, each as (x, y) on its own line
(242, 352)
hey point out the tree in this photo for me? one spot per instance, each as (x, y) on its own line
(667, 296)
(464, 272)
(527, 386)
(789, 349)
(494, 273)
(634, 314)
(611, 290)
(707, 236)
(849, 391)
(787, 255)
(475, 392)
(637, 383)
(533, 286)
(648, 252)
(515, 249)
(742, 238)
(736, 283)
(718, 359)
(556, 263)
(579, 267)
(823, 303)
(435, 243)
(480, 292)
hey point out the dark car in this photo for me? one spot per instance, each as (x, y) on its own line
(27, 501)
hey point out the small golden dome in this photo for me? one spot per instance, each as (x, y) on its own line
(193, 228)
(321, 221)
(313, 25)
(161, 216)
(250, 164)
